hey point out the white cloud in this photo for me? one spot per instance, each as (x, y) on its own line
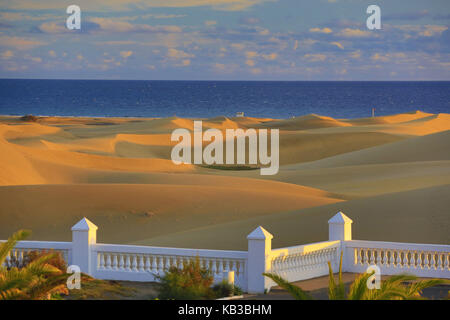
(314, 57)
(178, 54)
(8, 54)
(323, 30)
(354, 33)
(337, 44)
(126, 54)
(20, 43)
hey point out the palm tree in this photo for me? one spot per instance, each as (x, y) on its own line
(36, 280)
(390, 289)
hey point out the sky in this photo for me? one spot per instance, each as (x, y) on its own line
(225, 40)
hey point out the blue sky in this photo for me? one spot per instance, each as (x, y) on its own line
(226, 40)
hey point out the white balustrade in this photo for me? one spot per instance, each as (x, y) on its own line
(423, 260)
(306, 261)
(144, 263)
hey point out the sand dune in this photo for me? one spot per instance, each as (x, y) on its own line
(419, 216)
(433, 147)
(312, 121)
(151, 209)
(389, 173)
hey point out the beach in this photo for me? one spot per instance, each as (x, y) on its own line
(390, 174)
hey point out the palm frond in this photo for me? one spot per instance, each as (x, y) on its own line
(358, 289)
(336, 292)
(7, 246)
(295, 291)
(415, 289)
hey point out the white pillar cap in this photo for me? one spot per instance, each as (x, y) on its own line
(260, 234)
(84, 225)
(340, 218)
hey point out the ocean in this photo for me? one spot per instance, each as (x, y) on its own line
(205, 99)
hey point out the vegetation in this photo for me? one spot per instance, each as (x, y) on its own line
(397, 287)
(230, 167)
(193, 282)
(94, 289)
(225, 289)
(29, 118)
(42, 275)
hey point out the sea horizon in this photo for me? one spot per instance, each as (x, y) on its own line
(208, 99)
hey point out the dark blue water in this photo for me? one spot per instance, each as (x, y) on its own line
(215, 98)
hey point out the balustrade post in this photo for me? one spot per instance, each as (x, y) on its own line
(84, 236)
(259, 260)
(340, 227)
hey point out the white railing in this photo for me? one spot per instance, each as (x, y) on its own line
(24, 247)
(305, 261)
(145, 263)
(142, 263)
(423, 260)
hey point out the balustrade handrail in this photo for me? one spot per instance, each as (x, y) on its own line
(305, 248)
(395, 245)
(186, 252)
(47, 245)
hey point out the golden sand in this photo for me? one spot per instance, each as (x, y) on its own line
(390, 174)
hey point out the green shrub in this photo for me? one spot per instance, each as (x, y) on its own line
(224, 289)
(192, 282)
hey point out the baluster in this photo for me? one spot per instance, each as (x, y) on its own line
(404, 259)
(412, 261)
(128, 263)
(231, 266)
(397, 259)
(108, 261)
(100, 261)
(426, 262)
(238, 266)
(433, 260)
(305, 261)
(309, 260)
(154, 265)
(121, 263)
(419, 259)
(372, 256)
(290, 264)
(447, 262)
(366, 256)
(220, 271)
(66, 256)
(161, 264)
(20, 257)
(389, 260)
(148, 265)
(114, 262)
(384, 262)
(358, 253)
(440, 262)
(376, 256)
(141, 263)
(214, 267)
